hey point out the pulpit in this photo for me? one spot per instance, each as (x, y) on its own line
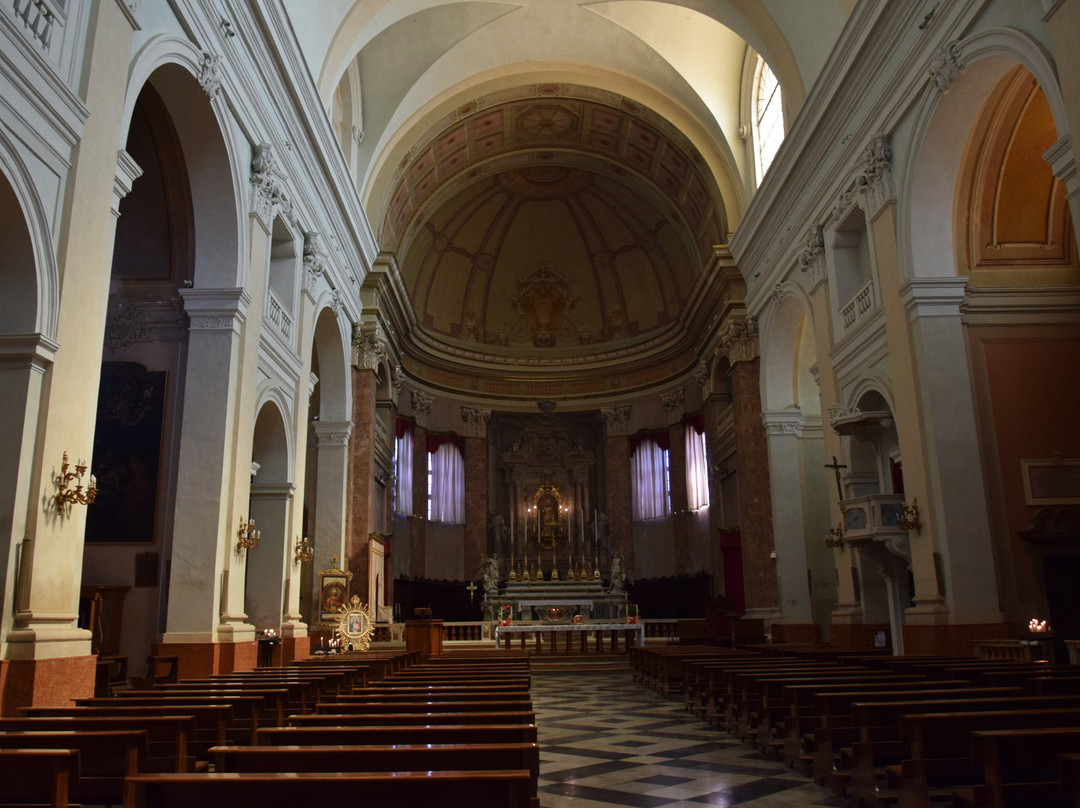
(424, 636)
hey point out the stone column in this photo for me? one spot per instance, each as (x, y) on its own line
(271, 508)
(48, 656)
(783, 432)
(204, 535)
(476, 493)
(617, 475)
(680, 514)
(421, 405)
(368, 351)
(739, 345)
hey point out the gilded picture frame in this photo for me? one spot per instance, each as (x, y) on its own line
(333, 593)
(355, 626)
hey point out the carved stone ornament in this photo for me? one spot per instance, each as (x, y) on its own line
(877, 169)
(397, 378)
(124, 324)
(811, 258)
(701, 375)
(852, 420)
(784, 423)
(617, 419)
(369, 346)
(210, 73)
(946, 66)
(314, 261)
(421, 406)
(268, 191)
(673, 404)
(336, 303)
(739, 340)
(476, 421)
(333, 433)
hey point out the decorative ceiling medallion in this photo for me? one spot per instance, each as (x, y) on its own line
(547, 121)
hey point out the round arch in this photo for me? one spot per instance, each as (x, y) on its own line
(214, 161)
(784, 330)
(328, 347)
(942, 130)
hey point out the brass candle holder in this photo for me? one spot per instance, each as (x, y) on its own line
(247, 537)
(77, 495)
(303, 551)
(909, 518)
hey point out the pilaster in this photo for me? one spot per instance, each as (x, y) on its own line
(617, 476)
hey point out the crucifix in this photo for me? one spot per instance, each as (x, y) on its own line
(472, 590)
(836, 466)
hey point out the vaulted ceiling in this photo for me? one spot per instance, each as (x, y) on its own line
(552, 176)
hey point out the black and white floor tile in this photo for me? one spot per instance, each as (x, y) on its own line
(605, 741)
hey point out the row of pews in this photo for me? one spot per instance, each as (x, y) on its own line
(453, 730)
(908, 731)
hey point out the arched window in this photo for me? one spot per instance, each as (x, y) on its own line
(446, 480)
(403, 464)
(768, 122)
(649, 476)
(697, 468)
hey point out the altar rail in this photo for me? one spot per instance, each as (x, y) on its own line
(480, 631)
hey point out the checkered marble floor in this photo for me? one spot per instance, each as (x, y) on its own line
(606, 741)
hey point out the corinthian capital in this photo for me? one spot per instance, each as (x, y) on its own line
(476, 421)
(739, 340)
(421, 406)
(368, 346)
(617, 419)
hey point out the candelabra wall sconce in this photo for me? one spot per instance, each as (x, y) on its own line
(66, 496)
(837, 534)
(247, 537)
(909, 518)
(303, 551)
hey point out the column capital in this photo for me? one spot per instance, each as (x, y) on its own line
(216, 309)
(369, 346)
(127, 171)
(739, 340)
(421, 406)
(616, 419)
(673, 405)
(332, 433)
(780, 423)
(476, 420)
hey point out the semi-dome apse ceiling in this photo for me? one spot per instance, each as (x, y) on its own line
(552, 221)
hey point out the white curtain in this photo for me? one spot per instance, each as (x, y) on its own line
(697, 474)
(649, 476)
(404, 451)
(446, 485)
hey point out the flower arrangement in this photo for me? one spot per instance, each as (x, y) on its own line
(506, 614)
(632, 614)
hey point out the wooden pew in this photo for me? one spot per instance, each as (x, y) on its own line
(330, 719)
(450, 789)
(481, 694)
(836, 728)
(420, 705)
(1021, 767)
(105, 759)
(241, 725)
(168, 736)
(390, 734)
(211, 720)
(878, 723)
(802, 720)
(39, 777)
(401, 757)
(935, 748)
(1069, 779)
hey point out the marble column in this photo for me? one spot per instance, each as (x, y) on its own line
(369, 350)
(680, 514)
(418, 518)
(739, 344)
(617, 476)
(476, 491)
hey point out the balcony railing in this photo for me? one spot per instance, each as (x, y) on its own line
(860, 305)
(41, 20)
(277, 315)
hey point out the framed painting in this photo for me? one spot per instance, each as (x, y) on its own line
(333, 593)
